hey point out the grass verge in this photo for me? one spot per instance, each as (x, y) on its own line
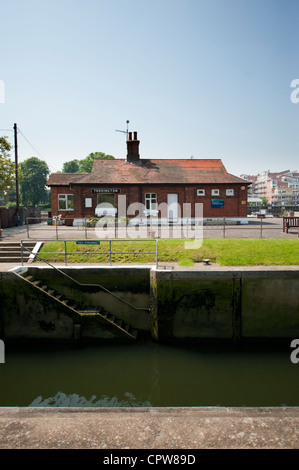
(225, 252)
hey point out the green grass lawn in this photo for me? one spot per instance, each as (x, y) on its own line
(225, 252)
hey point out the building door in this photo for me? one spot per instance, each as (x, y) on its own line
(172, 206)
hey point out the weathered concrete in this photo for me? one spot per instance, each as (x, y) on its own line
(29, 313)
(149, 428)
(168, 304)
(229, 304)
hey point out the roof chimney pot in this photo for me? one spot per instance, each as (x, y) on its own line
(133, 148)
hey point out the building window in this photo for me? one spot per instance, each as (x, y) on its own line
(65, 202)
(106, 205)
(200, 192)
(215, 192)
(229, 192)
(150, 201)
(107, 200)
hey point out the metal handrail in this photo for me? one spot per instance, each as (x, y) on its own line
(79, 283)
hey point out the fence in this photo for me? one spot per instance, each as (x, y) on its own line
(9, 217)
(110, 252)
(276, 211)
(57, 229)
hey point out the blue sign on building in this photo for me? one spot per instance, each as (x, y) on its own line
(217, 202)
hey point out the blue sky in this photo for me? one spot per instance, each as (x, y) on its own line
(208, 79)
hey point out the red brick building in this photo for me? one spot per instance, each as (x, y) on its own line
(162, 187)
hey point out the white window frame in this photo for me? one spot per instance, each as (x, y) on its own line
(68, 198)
(230, 192)
(201, 192)
(150, 204)
(215, 192)
(151, 199)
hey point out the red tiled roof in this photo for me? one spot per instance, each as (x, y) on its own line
(154, 171)
(61, 179)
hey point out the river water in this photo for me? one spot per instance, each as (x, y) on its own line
(149, 374)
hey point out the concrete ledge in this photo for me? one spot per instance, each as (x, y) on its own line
(149, 428)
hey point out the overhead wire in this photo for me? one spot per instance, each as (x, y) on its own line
(29, 143)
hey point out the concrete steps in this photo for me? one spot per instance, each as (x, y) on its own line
(120, 324)
(10, 252)
(80, 314)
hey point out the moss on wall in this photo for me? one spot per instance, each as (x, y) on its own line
(183, 304)
(232, 305)
(27, 314)
(270, 307)
(127, 286)
(203, 309)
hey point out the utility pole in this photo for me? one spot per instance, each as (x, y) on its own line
(16, 167)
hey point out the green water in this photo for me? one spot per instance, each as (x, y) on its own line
(148, 374)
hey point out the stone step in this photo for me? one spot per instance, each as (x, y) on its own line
(88, 312)
(12, 259)
(133, 332)
(16, 247)
(11, 248)
(12, 253)
(116, 321)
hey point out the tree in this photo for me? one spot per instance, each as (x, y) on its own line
(7, 167)
(85, 165)
(35, 173)
(71, 167)
(264, 201)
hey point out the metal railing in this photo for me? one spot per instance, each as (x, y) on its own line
(110, 252)
(59, 227)
(74, 280)
(56, 225)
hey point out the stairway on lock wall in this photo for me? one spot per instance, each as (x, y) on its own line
(10, 252)
(109, 321)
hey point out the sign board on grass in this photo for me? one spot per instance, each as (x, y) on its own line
(87, 242)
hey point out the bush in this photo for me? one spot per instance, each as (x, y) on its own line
(10, 204)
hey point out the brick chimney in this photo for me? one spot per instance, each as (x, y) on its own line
(133, 148)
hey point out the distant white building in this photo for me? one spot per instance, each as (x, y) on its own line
(278, 188)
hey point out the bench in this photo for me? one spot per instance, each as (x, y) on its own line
(289, 222)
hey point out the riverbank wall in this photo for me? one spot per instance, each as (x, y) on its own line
(125, 429)
(231, 304)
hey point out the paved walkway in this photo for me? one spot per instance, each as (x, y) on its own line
(256, 228)
(149, 428)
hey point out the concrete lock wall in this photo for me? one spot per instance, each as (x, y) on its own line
(105, 287)
(28, 313)
(229, 305)
(225, 305)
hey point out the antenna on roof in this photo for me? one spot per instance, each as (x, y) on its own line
(125, 132)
